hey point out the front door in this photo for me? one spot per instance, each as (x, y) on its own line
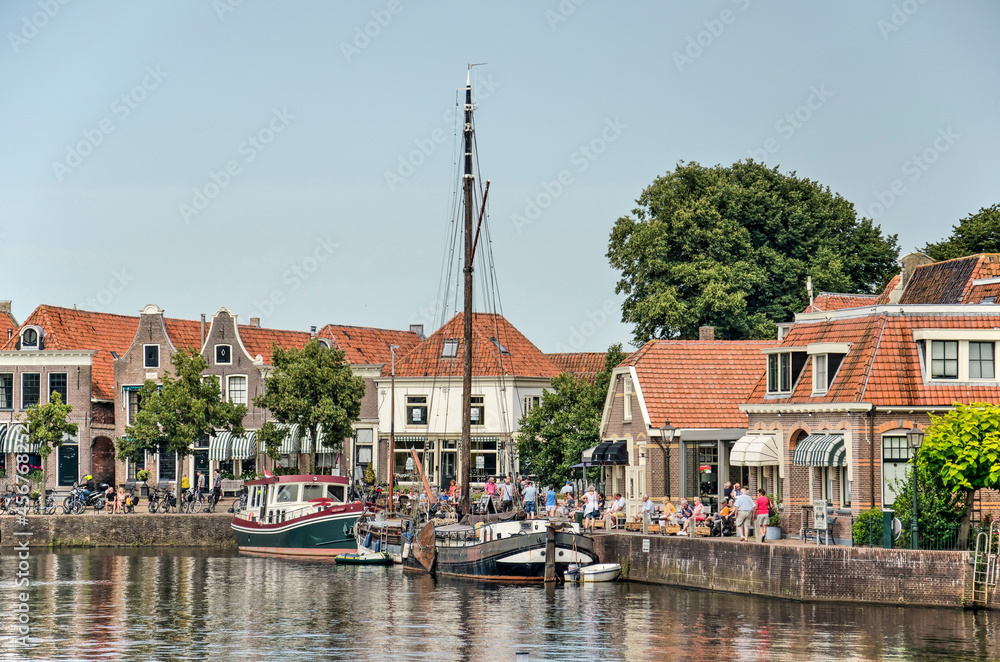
(449, 467)
(69, 465)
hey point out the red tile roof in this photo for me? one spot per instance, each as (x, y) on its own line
(522, 359)
(367, 346)
(579, 364)
(8, 325)
(698, 383)
(837, 301)
(258, 340)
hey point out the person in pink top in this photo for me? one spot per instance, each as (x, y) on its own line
(763, 514)
(697, 515)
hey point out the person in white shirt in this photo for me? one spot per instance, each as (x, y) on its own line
(567, 488)
(592, 509)
(647, 507)
(617, 506)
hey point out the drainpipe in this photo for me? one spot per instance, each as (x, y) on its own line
(871, 444)
(202, 331)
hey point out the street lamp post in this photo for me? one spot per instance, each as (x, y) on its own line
(914, 439)
(667, 432)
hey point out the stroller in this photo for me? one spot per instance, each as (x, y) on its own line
(724, 526)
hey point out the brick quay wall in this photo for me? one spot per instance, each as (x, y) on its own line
(795, 572)
(135, 530)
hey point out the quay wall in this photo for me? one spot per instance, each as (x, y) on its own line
(795, 572)
(134, 530)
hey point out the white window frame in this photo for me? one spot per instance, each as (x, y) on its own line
(478, 402)
(785, 370)
(425, 405)
(215, 351)
(449, 349)
(146, 365)
(968, 361)
(627, 398)
(246, 389)
(530, 402)
(821, 385)
(845, 489)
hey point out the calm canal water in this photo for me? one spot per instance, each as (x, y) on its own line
(190, 605)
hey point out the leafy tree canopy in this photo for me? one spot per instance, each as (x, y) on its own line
(731, 247)
(976, 233)
(182, 410)
(962, 448)
(310, 387)
(553, 435)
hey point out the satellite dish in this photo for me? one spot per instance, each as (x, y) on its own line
(897, 528)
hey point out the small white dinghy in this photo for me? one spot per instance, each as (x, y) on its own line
(598, 572)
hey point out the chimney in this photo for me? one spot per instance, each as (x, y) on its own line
(312, 331)
(203, 329)
(706, 333)
(10, 333)
(255, 321)
(419, 330)
(5, 307)
(909, 264)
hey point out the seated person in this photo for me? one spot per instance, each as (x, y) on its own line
(697, 515)
(669, 515)
(683, 513)
(725, 522)
(647, 507)
(617, 506)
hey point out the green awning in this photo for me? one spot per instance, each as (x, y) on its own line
(15, 439)
(245, 447)
(307, 442)
(821, 450)
(220, 447)
(291, 443)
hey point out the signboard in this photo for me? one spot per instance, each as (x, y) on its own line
(480, 462)
(409, 464)
(645, 545)
(819, 514)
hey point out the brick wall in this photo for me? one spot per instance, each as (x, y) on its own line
(102, 530)
(821, 574)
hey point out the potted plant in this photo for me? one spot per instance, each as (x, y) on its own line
(774, 523)
(143, 475)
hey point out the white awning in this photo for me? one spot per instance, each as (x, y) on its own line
(290, 443)
(755, 450)
(588, 455)
(220, 447)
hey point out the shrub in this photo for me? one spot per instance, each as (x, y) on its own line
(867, 529)
(143, 475)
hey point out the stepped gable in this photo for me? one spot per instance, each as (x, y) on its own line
(582, 365)
(72, 329)
(520, 358)
(369, 346)
(698, 383)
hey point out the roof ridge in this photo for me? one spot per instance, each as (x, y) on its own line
(370, 328)
(874, 356)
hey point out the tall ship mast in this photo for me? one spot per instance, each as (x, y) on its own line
(468, 181)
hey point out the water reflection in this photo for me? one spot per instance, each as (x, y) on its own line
(187, 605)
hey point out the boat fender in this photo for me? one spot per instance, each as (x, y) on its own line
(368, 540)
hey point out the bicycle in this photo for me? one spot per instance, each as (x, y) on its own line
(192, 501)
(166, 502)
(8, 501)
(240, 504)
(49, 506)
(211, 500)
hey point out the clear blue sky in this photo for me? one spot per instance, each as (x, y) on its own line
(164, 94)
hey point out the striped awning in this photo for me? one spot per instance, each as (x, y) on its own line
(220, 446)
(15, 439)
(821, 450)
(409, 440)
(755, 450)
(245, 447)
(291, 443)
(307, 442)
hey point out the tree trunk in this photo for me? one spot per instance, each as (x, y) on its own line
(963, 528)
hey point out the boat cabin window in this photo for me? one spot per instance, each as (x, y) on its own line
(310, 492)
(335, 492)
(287, 493)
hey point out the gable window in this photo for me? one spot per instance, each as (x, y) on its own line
(530, 402)
(478, 413)
(30, 338)
(31, 387)
(981, 360)
(450, 349)
(151, 356)
(6, 391)
(223, 354)
(57, 384)
(944, 359)
(416, 410)
(237, 389)
(627, 400)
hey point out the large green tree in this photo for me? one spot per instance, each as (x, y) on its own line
(731, 247)
(311, 387)
(182, 410)
(962, 447)
(553, 435)
(48, 427)
(976, 233)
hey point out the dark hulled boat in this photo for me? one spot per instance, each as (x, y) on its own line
(301, 515)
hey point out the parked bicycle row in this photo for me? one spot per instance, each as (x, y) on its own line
(104, 497)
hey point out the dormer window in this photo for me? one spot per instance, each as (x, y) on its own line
(944, 359)
(450, 349)
(223, 354)
(151, 356)
(958, 355)
(783, 370)
(826, 359)
(31, 338)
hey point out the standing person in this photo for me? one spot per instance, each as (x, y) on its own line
(550, 502)
(567, 488)
(452, 491)
(506, 495)
(491, 489)
(199, 484)
(592, 509)
(217, 486)
(763, 514)
(530, 494)
(744, 514)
